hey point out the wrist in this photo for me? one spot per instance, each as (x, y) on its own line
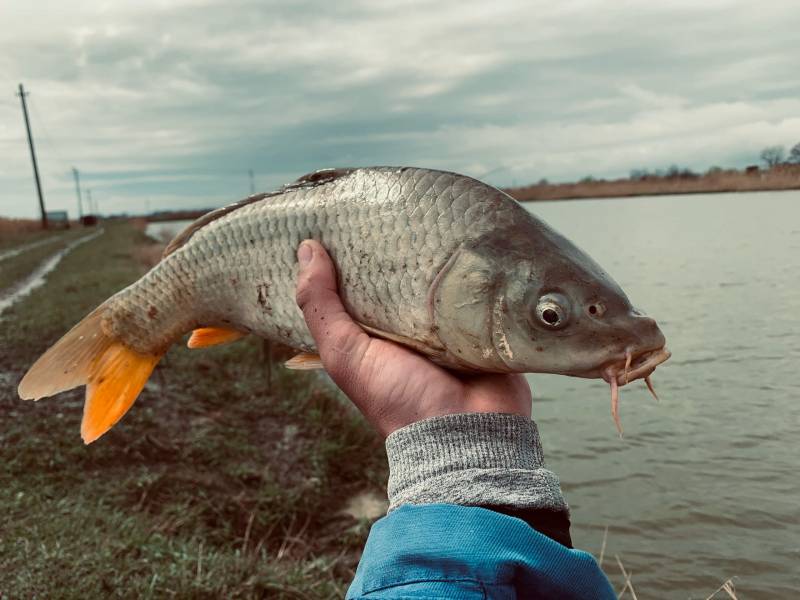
(473, 459)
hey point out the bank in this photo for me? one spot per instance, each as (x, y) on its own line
(221, 481)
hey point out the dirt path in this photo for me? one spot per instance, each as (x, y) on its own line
(36, 278)
(24, 247)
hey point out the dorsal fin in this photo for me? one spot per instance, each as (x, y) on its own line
(320, 177)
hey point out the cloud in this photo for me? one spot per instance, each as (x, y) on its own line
(168, 104)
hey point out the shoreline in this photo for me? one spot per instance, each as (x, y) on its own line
(648, 195)
(780, 178)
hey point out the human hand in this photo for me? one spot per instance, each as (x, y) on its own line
(390, 384)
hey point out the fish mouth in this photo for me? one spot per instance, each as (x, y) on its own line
(622, 372)
(635, 367)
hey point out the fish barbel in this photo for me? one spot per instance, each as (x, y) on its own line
(442, 263)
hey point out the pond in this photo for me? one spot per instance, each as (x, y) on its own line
(705, 484)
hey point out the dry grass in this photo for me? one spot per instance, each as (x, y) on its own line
(16, 226)
(727, 586)
(138, 223)
(148, 255)
(784, 177)
(628, 585)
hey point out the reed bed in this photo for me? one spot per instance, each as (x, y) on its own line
(784, 177)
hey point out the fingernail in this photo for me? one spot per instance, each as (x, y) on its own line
(304, 254)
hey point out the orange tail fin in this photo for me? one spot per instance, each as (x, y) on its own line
(113, 374)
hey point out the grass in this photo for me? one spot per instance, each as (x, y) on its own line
(214, 485)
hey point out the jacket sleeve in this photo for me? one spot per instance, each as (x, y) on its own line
(474, 513)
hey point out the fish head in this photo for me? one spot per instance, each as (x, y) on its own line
(539, 304)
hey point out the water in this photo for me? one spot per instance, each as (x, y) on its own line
(706, 484)
(164, 231)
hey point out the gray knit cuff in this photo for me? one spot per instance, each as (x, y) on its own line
(472, 459)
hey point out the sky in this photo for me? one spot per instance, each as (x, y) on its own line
(168, 104)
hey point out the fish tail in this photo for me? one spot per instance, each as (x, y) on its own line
(112, 373)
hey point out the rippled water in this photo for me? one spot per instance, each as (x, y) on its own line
(706, 484)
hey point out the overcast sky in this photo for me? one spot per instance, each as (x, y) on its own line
(167, 104)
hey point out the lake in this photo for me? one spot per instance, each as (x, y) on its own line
(705, 484)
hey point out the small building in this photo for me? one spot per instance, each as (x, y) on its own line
(57, 219)
(752, 170)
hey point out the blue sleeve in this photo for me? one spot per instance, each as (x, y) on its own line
(463, 552)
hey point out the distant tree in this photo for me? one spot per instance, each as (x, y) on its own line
(687, 173)
(588, 179)
(543, 181)
(715, 170)
(794, 154)
(772, 155)
(639, 174)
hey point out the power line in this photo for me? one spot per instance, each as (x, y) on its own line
(22, 95)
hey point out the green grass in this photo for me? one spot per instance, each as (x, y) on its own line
(213, 485)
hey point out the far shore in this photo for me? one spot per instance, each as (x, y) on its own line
(753, 179)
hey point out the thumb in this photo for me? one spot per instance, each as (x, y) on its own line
(340, 341)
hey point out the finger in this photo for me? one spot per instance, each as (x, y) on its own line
(340, 341)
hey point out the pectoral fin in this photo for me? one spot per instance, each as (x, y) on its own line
(417, 345)
(304, 362)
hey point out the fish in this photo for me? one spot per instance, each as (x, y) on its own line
(442, 263)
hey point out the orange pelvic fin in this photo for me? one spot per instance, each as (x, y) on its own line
(113, 373)
(213, 336)
(304, 362)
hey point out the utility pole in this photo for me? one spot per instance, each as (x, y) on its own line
(252, 182)
(77, 177)
(22, 93)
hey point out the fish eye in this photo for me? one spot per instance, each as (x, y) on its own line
(552, 310)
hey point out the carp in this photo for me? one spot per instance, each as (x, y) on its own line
(444, 264)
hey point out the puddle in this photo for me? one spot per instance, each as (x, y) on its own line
(36, 278)
(20, 249)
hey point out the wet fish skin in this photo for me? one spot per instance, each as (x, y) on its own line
(440, 262)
